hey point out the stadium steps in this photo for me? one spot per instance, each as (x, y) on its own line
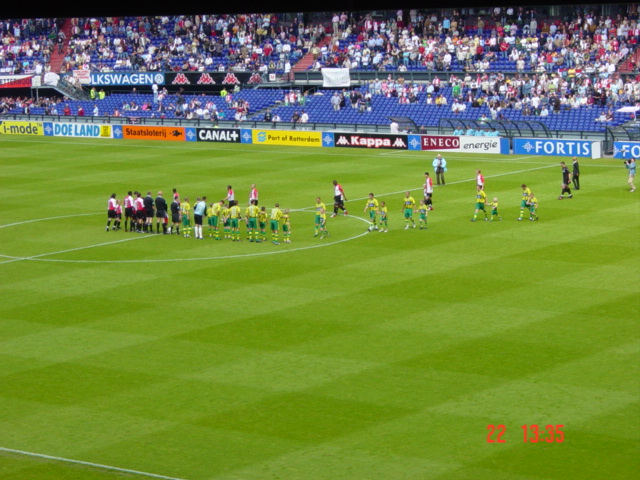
(57, 58)
(306, 62)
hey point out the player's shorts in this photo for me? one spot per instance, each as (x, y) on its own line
(233, 222)
(318, 220)
(523, 204)
(161, 214)
(480, 206)
(423, 216)
(175, 217)
(252, 223)
(213, 221)
(111, 214)
(262, 225)
(274, 224)
(197, 219)
(408, 213)
(337, 199)
(186, 221)
(285, 228)
(141, 214)
(210, 221)
(128, 212)
(372, 215)
(148, 212)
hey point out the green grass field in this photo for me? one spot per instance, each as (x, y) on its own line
(362, 356)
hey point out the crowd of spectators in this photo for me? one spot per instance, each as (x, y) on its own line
(511, 39)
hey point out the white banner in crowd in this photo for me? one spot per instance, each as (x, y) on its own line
(336, 77)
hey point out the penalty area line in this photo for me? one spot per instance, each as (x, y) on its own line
(87, 464)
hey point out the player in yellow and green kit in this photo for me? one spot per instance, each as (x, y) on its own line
(214, 219)
(274, 223)
(185, 210)
(423, 210)
(408, 205)
(318, 207)
(532, 203)
(323, 224)
(372, 207)
(481, 201)
(525, 198)
(210, 219)
(494, 209)
(262, 224)
(226, 220)
(235, 214)
(286, 226)
(383, 212)
(251, 216)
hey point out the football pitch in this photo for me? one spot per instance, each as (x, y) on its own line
(504, 350)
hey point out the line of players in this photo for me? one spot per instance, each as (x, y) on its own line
(224, 215)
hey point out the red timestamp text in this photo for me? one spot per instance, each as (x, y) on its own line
(531, 433)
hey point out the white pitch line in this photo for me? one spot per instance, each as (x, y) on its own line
(87, 464)
(37, 257)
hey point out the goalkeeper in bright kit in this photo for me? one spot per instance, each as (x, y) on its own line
(408, 205)
(185, 211)
(372, 207)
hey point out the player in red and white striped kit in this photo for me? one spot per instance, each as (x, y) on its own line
(111, 210)
(338, 199)
(141, 213)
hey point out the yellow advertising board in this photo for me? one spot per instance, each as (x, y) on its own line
(299, 138)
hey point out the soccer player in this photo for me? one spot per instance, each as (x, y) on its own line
(494, 209)
(526, 191)
(226, 220)
(253, 195)
(372, 207)
(408, 205)
(323, 224)
(116, 224)
(423, 210)
(141, 213)
(129, 211)
(383, 212)
(274, 224)
(111, 210)
(338, 199)
(532, 203)
(230, 195)
(286, 226)
(235, 214)
(185, 210)
(262, 224)
(566, 181)
(175, 216)
(216, 211)
(428, 190)
(481, 200)
(199, 211)
(318, 207)
(479, 178)
(251, 217)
